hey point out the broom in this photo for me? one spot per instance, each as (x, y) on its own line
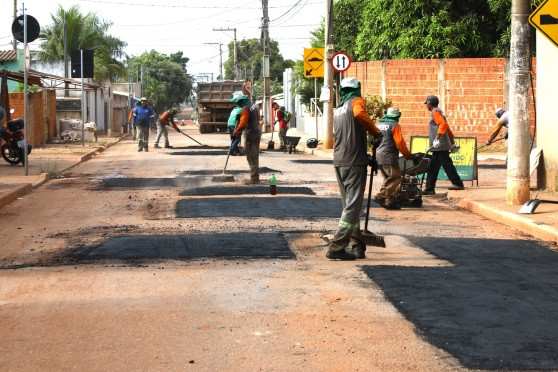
(223, 177)
(369, 237)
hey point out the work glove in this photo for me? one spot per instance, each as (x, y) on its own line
(436, 144)
(373, 163)
(488, 143)
(454, 148)
(378, 140)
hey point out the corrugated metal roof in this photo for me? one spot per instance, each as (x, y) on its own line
(8, 55)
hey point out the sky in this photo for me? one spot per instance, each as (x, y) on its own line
(169, 26)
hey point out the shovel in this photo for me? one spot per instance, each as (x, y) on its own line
(486, 144)
(369, 237)
(271, 144)
(532, 204)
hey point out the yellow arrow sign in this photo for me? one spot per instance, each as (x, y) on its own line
(545, 19)
(314, 62)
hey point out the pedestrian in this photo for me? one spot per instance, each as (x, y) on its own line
(130, 118)
(441, 142)
(350, 161)
(250, 123)
(503, 120)
(232, 124)
(283, 126)
(387, 155)
(143, 118)
(167, 118)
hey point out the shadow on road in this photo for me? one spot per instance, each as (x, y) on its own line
(311, 161)
(497, 308)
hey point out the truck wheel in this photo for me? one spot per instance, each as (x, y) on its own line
(202, 128)
(209, 128)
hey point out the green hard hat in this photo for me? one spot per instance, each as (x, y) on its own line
(238, 96)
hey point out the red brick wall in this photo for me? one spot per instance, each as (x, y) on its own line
(469, 89)
(42, 114)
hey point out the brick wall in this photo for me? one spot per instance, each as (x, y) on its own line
(469, 89)
(41, 112)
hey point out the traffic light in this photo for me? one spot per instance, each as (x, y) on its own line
(87, 63)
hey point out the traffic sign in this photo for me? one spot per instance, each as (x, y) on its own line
(545, 19)
(33, 28)
(340, 61)
(314, 62)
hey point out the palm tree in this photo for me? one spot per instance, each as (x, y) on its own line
(87, 32)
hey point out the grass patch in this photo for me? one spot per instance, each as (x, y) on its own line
(51, 169)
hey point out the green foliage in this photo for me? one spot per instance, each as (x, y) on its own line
(249, 61)
(87, 32)
(305, 87)
(376, 106)
(166, 83)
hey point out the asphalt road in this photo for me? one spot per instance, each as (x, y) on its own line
(140, 261)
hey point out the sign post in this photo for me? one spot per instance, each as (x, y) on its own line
(545, 19)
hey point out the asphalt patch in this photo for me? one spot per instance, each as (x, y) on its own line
(199, 153)
(212, 172)
(187, 246)
(272, 207)
(136, 183)
(309, 161)
(497, 308)
(245, 190)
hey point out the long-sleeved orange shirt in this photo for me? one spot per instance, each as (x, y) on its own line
(400, 142)
(443, 126)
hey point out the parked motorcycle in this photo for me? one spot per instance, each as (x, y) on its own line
(14, 142)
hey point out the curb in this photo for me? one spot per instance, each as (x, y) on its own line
(527, 226)
(17, 192)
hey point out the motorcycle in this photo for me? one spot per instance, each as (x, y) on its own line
(14, 142)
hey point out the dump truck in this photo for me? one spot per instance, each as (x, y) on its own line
(214, 105)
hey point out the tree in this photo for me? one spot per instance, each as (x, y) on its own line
(305, 87)
(249, 62)
(166, 83)
(87, 32)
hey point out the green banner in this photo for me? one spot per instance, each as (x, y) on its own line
(464, 159)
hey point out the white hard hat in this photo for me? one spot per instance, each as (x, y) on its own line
(143, 99)
(350, 83)
(393, 111)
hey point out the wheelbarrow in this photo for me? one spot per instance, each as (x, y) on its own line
(290, 143)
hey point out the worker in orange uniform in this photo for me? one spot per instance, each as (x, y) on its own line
(387, 155)
(442, 143)
(350, 160)
(167, 118)
(130, 116)
(249, 123)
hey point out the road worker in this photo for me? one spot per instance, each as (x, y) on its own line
(167, 118)
(350, 160)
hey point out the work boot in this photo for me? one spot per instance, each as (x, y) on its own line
(146, 149)
(342, 255)
(456, 187)
(358, 252)
(252, 181)
(156, 146)
(168, 146)
(379, 200)
(392, 206)
(428, 192)
(140, 149)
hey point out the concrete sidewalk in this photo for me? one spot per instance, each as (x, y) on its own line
(487, 199)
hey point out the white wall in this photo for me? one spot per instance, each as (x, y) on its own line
(547, 107)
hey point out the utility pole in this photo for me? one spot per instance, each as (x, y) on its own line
(15, 16)
(265, 68)
(518, 178)
(234, 49)
(66, 85)
(328, 78)
(220, 58)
